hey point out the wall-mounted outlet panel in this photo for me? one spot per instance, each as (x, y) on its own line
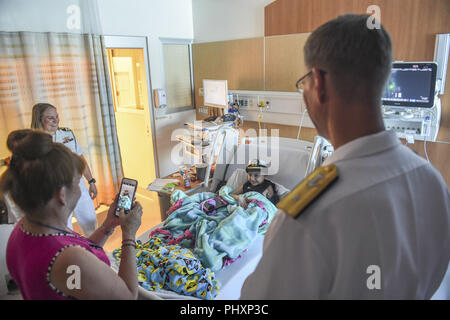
(279, 107)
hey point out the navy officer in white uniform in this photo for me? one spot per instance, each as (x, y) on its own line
(382, 230)
(45, 116)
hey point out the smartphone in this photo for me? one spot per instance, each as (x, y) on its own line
(126, 195)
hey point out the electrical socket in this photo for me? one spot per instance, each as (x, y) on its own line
(244, 102)
(203, 110)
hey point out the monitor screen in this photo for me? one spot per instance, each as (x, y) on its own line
(215, 93)
(411, 85)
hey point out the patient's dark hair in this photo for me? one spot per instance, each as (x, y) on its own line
(355, 56)
(38, 168)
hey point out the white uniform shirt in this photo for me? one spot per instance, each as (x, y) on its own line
(85, 210)
(386, 218)
(67, 137)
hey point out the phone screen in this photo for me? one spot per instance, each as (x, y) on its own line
(126, 197)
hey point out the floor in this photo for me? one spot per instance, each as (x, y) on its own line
(151, 217)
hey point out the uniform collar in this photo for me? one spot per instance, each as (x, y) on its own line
(364, 146)
(54, 135)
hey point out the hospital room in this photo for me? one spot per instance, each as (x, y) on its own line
(224, 150)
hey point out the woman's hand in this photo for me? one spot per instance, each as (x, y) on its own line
(112, 220)
(131, 221)
(88, 175)
(92, 191)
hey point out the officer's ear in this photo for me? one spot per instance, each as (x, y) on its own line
(320, 86)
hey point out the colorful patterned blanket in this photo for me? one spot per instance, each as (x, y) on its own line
(216, 238)
(195, 241)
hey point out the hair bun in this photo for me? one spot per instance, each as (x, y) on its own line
(29, 144)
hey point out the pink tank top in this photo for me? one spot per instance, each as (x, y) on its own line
(30, 257)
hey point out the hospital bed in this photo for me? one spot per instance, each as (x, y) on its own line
(290, 158)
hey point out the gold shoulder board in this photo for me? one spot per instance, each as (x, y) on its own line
(308, 190)
(65, 129)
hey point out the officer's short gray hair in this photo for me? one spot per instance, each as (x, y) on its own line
(356, 57)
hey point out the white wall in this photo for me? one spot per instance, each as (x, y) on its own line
(149, 18)
(218, 20)
(153, 19)
(37, 15)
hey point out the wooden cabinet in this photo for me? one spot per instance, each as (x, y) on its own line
(284, 61)
(241, 62)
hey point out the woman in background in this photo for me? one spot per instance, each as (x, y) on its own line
(45, 117)
(44, 257)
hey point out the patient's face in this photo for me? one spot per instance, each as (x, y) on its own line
(255, 178)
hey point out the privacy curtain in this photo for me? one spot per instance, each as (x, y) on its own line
(69, 71)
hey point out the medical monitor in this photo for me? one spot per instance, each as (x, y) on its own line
(411, 85)
(215, 93)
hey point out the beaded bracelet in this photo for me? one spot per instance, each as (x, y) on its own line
(129, 242)
(128, 245)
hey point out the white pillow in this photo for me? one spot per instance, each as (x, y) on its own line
(237, 179)
(281, 190)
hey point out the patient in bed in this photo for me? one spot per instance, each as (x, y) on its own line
(256, 182)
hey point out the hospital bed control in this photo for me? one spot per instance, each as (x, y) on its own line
(308, 190)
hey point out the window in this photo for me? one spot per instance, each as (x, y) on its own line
(178, 77)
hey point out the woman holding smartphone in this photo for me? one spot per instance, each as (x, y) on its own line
(45, 258)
